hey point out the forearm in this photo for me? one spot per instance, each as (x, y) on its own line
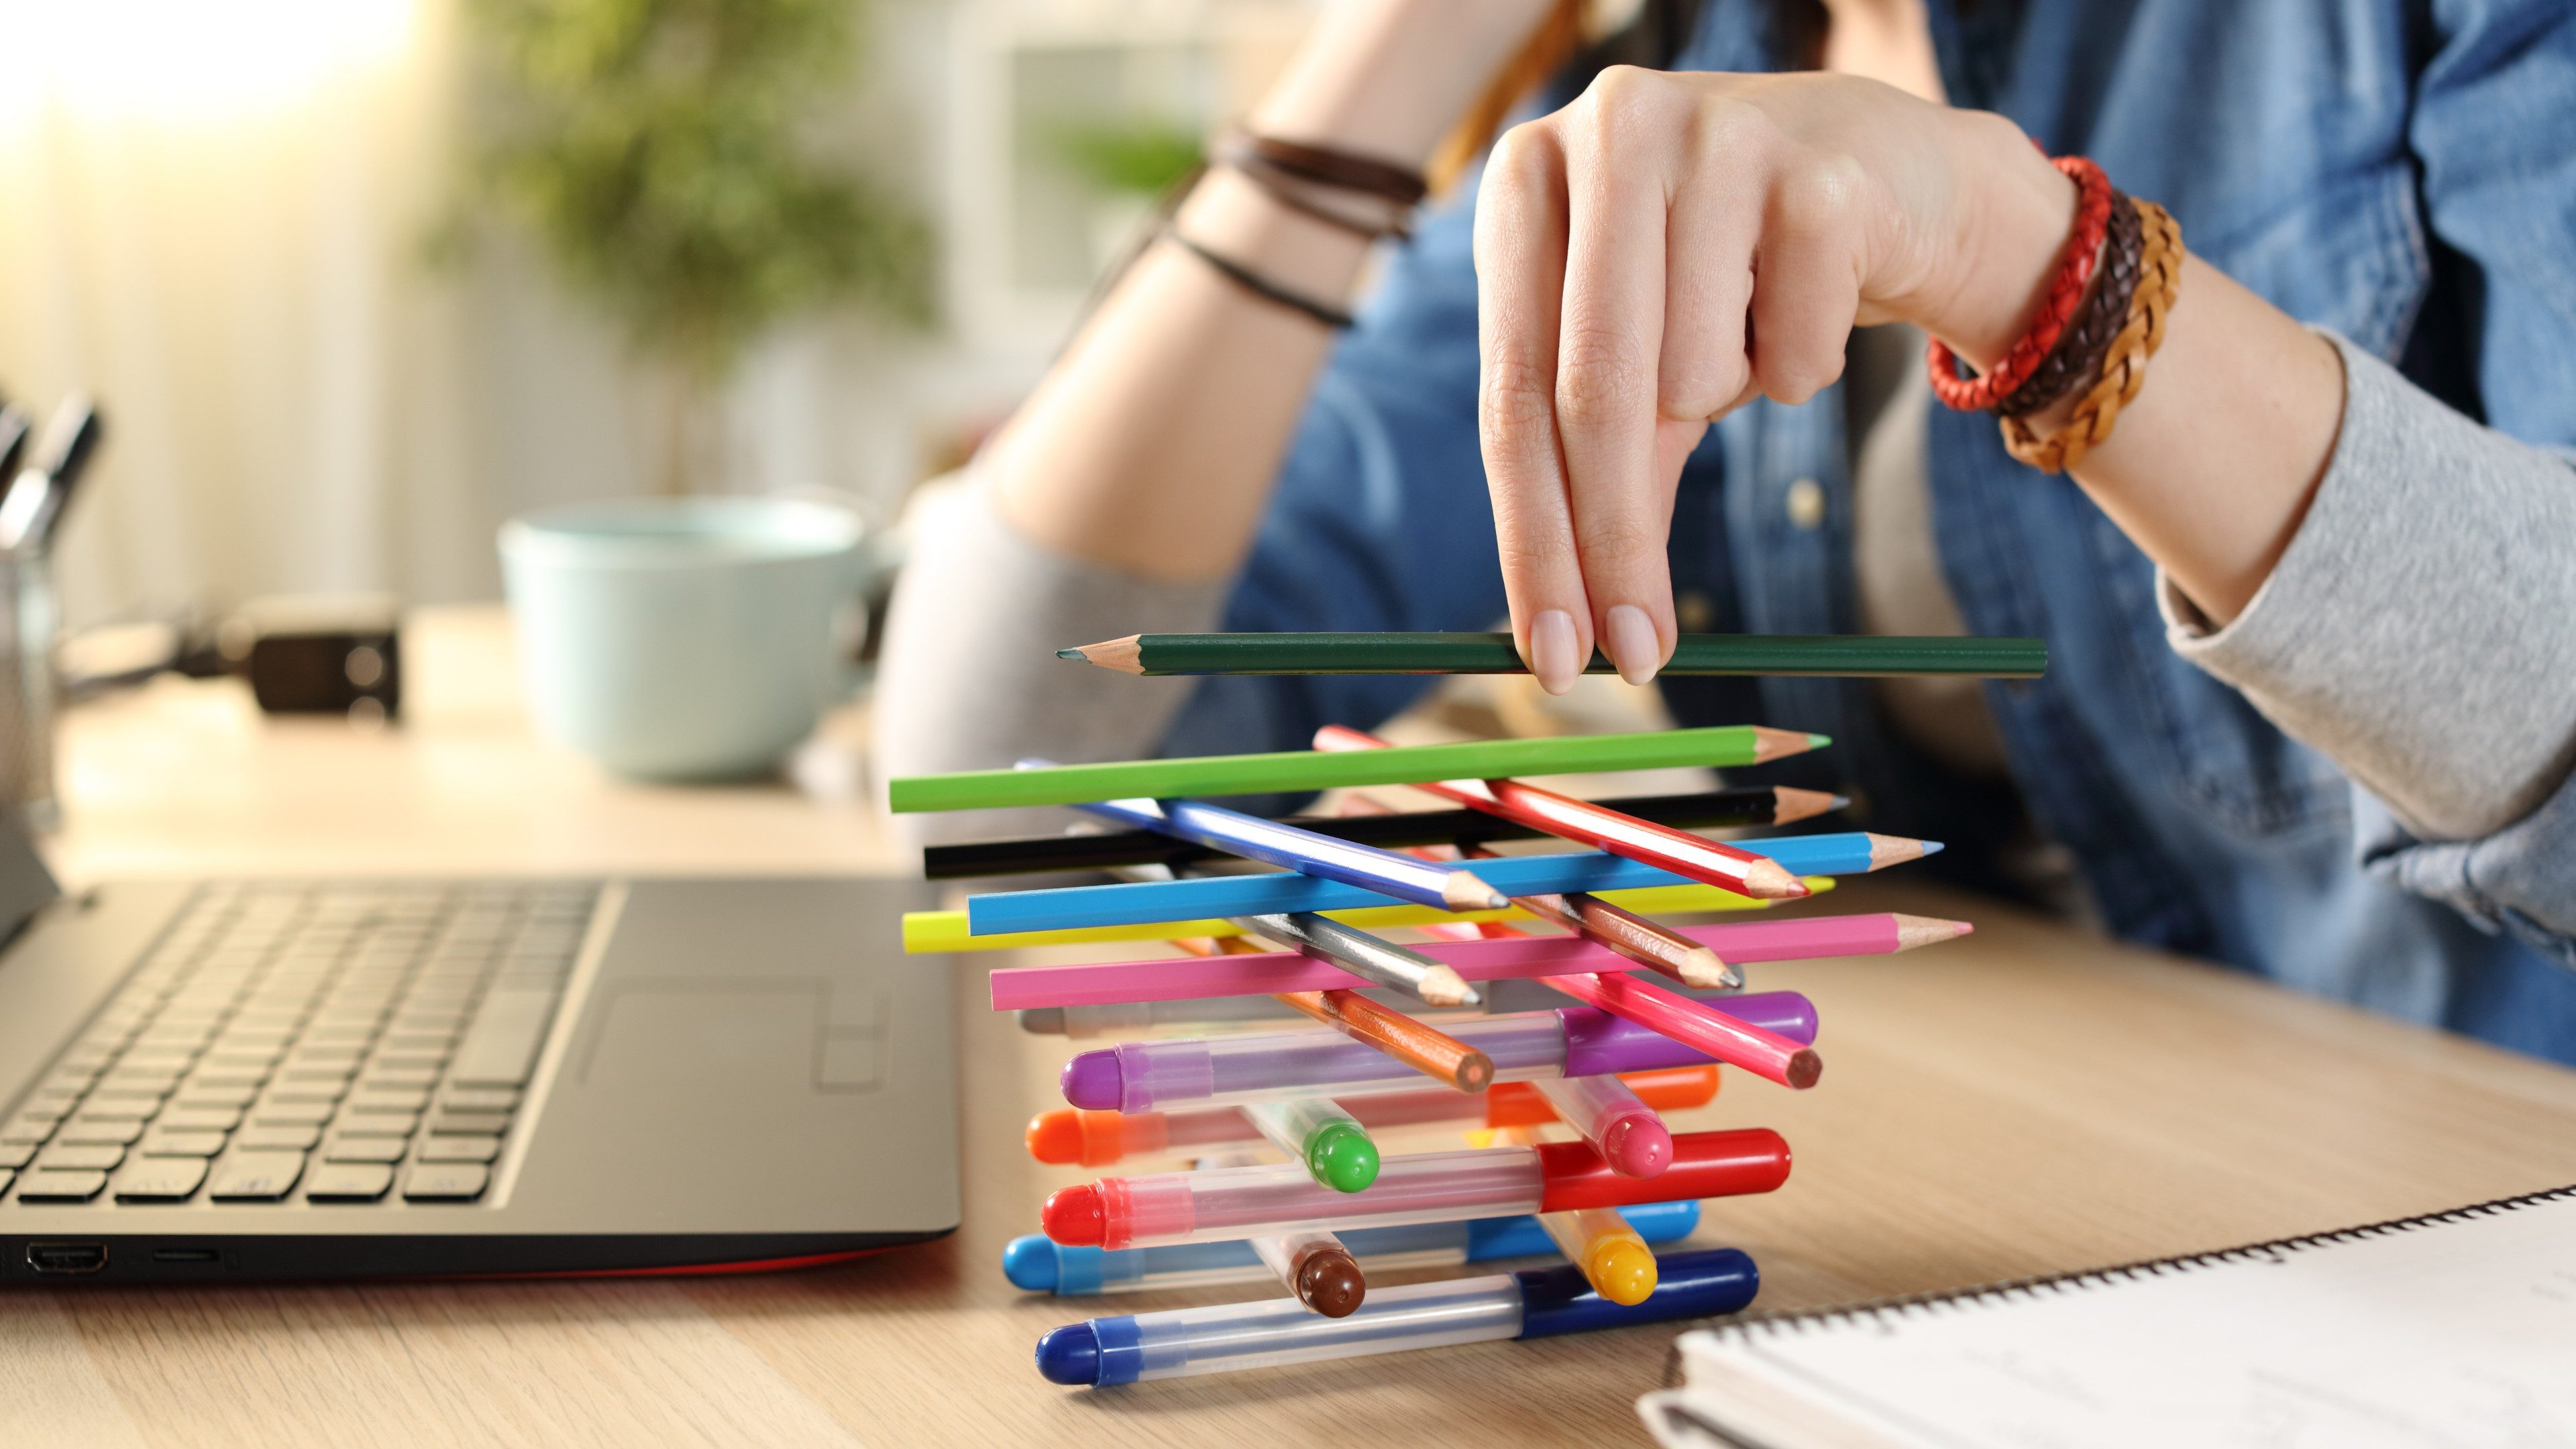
(1151, 445)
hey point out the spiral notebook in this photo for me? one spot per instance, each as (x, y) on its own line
(2454, 1330)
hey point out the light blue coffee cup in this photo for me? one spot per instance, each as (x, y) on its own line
(682, 638)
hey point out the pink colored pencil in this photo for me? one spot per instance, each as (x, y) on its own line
(1698, 1025)
(1167, 978)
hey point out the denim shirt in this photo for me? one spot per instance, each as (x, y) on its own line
(2402, 173)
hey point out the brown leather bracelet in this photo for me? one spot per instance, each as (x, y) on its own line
(2077, 358)
(1290, 193)
(1324, 166)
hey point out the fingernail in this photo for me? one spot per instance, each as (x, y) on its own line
(1552, 656)
(1633, 644)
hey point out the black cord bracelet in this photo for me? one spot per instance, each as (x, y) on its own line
(1261, 286)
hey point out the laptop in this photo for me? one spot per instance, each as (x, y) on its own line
(233, 1080)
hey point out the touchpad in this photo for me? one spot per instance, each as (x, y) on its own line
(660, 1043)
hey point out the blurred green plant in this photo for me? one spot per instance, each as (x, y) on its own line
(1145, 158)
(658, 149)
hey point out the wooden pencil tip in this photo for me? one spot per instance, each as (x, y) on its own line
(1770, 744)
(1790, 804)
(1770, 881)
(1913, 931)
(1475, 1072)
(1465, 891)
(1804, 1068)
(1887, 850)
(1127, 655)
(1442, 986)
(1702, 968)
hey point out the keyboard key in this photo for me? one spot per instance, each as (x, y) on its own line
(16, 1154)
(295, 1136)
(312, 1089)
(80, 1155)
(365, 1149)
(389, 1099)
(63, 1185)
(163, 1141)
(470, 1123)
(256, 1176)
(200, 1119)
(216, 1094)
(160, 1179)
(458, 1149)
(272, 1112)
(348, 1182)
(382, 1075)
(500, 1048)
(31, 1126)
(479, 1099)
(377, 1124)
(88, 1130)
(439, 1182)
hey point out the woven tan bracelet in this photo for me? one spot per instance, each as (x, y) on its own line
(2125, 370)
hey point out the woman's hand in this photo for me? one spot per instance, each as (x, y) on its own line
(1669, 246)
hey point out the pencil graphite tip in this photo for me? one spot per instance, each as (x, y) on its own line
(1913, 931)
(1770, 881)
(1464, 891)
(1790, 805)
(1127, 655)
(1887, 850)
(1804, 1068)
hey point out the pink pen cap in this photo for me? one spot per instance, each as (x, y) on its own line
(1628, 1134)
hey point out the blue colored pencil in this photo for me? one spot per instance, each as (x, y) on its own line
(1442, 887)
(1519, 875)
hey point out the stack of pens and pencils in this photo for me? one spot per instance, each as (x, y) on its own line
(1541, 993)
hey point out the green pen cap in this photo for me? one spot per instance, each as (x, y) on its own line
(1341, 1156)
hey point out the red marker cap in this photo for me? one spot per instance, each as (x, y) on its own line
(1705, 1164)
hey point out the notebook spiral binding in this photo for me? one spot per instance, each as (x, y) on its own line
(1918, 1305)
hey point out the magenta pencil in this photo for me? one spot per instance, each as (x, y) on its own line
(1189, 979)
(1697, 1025)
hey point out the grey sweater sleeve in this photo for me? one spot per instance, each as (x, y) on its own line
(968, 678)
(2420, 629)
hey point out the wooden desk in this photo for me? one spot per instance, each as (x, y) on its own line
(2023, 1102)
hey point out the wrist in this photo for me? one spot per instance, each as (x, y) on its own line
(1389, 78)
(2016, 213)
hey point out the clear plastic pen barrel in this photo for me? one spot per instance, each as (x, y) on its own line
(1224, 1337)
(1249, 1068)
(1244, 1202)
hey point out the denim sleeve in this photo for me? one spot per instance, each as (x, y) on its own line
(1380, 519)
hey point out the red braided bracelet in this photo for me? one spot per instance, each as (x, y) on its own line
(2065, 299)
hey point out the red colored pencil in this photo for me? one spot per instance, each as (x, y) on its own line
(1697, 1024)
(1684, 854)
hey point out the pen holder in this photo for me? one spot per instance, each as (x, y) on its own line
(27, 689)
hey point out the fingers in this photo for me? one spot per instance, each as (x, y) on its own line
(1807, 280)
(1520, 269)
(1609, 355)
(1716, 223)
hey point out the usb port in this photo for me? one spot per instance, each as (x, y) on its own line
(66, 1258)
(186, 1255)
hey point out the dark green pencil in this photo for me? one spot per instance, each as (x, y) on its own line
(1828, 654)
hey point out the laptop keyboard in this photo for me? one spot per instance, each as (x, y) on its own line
(339, 1043)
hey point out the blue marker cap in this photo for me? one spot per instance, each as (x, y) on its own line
(1030, 1263)
(1070, 1355)
(1688, 1285)
(1522, 1237)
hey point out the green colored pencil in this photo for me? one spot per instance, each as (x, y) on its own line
(1720, 748)
(1830, 654)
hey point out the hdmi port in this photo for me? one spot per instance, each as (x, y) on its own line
(66, 1258)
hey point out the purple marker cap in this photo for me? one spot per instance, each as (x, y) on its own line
(1091, 1080)
(1597, 1042)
